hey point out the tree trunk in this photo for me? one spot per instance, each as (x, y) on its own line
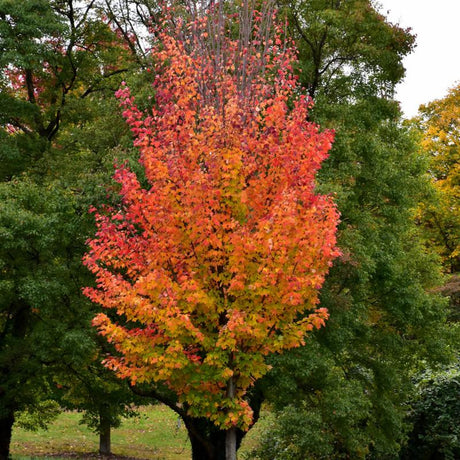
(230, 444)
(104, 436)
(206, 439)
(201, 450)
(6, 429)
(230, 436)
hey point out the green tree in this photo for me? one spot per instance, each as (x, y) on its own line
(59, 66)
(351, 386)
(435, 413)
(37, 298)
(26, 31)
(347, 49)
(52, 52)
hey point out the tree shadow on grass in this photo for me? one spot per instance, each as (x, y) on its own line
(82, 456)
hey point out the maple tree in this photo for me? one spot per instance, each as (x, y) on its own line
(439, 124)
(218, 261)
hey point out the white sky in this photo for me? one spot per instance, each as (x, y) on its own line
(434, 66)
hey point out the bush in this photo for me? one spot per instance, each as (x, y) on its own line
(435, 416)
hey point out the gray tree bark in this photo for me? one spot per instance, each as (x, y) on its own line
(230, 437)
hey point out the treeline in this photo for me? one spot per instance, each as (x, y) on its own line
(378, 381)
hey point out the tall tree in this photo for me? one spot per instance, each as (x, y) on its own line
(57, 60)
(218, 261)
(439, 124)
(350, 386)
(36, 275)
(347, 48)
(52, 51)
(435, 414)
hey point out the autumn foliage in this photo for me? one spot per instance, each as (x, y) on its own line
(439, 123)
(219, 261)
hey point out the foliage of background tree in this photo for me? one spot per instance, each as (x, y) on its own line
(352, 384)
(439, 123)
(435, 415)
(439, 126)
(58, 63)
(35, 275)
(347, 48)
(435, 412)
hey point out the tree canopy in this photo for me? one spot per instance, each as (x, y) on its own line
(218, 262)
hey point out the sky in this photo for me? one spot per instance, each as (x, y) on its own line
(434, 66)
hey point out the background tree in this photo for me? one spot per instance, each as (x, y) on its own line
(53, 52)
(33, 260)
(350, 386)
(439, 126)
(58, 63)
(347, 49)
(435, 413)
(218, 262)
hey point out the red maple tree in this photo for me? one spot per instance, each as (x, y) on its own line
(219, 261)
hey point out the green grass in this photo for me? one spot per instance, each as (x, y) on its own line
(155, 434)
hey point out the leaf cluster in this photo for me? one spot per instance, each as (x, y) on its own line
(435, 415)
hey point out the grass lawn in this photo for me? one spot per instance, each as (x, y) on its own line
(155, 435)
